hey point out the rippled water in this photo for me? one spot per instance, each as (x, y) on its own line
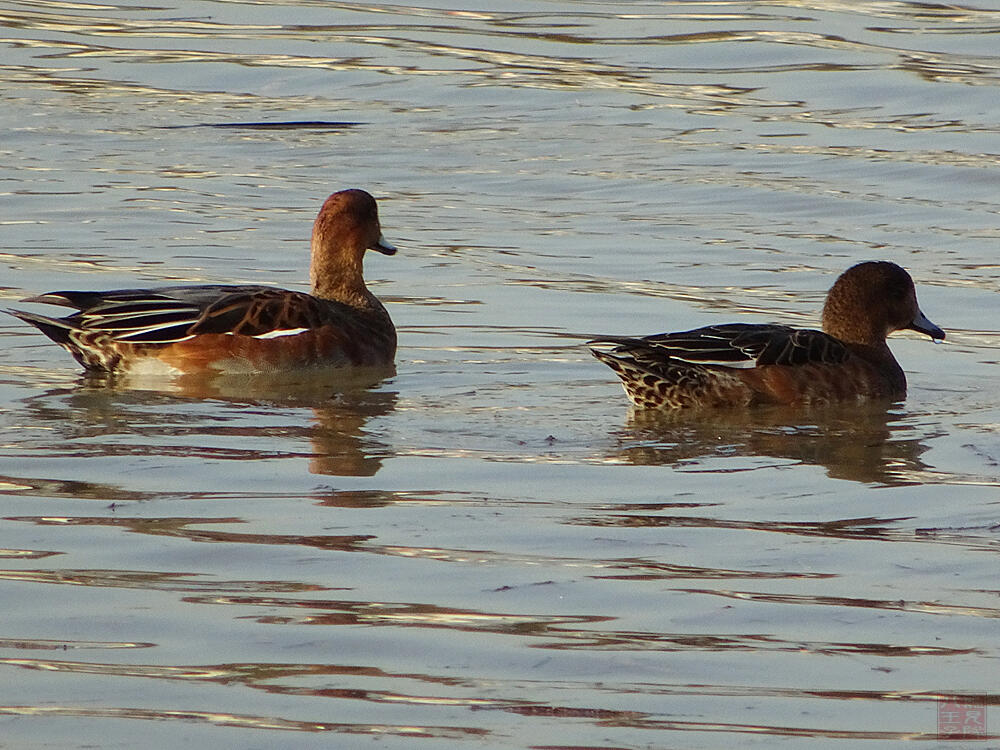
(484, 548)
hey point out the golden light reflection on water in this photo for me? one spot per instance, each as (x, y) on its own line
(917, 606)
(623, 569)
(510, 68)
(244, 721)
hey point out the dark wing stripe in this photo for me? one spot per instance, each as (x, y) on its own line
(166, 334)
(140, 319)
(99, 300)
(130, 307)
(170, 314)
(143, 326)
(149, 321)
(735, 345)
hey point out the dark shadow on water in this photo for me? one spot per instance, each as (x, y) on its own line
(859, 442)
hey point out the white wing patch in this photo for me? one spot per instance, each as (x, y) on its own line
(280, 332)
(743, 364)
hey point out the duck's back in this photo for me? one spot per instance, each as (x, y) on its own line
(743, 364)
(216, 328)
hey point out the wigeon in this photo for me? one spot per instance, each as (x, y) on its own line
(241, 329)
(740, 364)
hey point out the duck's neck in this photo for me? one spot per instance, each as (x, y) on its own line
(866, 331)
(866, 339)
(340, 277)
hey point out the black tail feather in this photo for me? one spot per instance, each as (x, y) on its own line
(55, 329)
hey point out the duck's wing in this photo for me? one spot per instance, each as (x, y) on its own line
(165, 315)
(271, 313)
(735, 345)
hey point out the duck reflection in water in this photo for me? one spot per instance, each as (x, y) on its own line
(326, 422)
(858, 442)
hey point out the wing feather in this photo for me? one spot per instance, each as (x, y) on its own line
(166, 315)
(736, 345)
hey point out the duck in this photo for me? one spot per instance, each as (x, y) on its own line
(240, 329)
(745, 364)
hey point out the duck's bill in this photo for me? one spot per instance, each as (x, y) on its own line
(923, 325)
(383, 246)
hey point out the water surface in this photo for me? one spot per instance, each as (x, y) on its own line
(485, 548)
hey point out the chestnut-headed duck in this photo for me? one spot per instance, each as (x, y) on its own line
(241, 329)
(740, 364)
